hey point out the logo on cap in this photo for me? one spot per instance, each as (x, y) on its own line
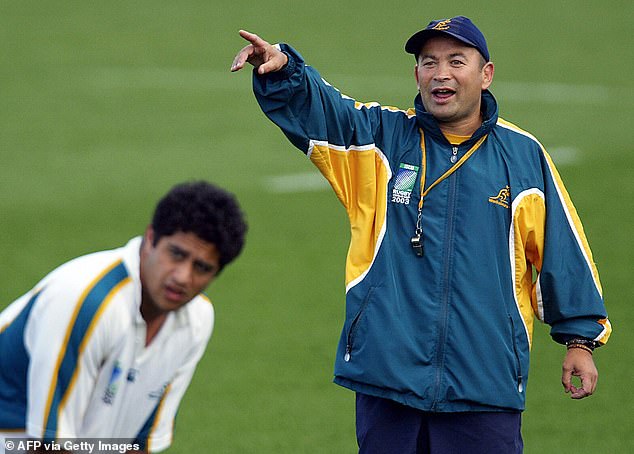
(459, 27)
(442, 25)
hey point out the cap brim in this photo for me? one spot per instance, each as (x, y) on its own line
(416, 41)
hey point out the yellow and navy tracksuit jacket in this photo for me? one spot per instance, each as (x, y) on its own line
(503, 244)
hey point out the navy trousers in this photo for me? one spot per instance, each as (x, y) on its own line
(387, 427)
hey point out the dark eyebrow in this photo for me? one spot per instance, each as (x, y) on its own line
(458, 54)
(208, 267)
(176, 248)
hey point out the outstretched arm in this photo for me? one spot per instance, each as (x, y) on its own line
(579, 363)
(264, 57)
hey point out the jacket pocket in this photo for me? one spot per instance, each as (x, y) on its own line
(355, 324)
(518, 363)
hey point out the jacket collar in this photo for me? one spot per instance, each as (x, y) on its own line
(429, 124)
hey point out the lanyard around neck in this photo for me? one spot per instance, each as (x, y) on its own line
(467, 155)
(416, 240)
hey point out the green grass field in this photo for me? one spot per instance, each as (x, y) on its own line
(105, 105)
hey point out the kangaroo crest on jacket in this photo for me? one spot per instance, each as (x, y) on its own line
(502, 198)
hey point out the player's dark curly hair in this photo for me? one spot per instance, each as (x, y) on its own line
(211, 213)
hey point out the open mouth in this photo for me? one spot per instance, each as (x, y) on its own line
(441, 94)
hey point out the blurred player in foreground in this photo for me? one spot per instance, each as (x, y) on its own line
(105, 346)
(451, 209)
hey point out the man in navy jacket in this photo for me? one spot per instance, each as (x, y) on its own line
(452, 209)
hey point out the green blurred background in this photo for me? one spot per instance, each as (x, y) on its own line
(105, 105)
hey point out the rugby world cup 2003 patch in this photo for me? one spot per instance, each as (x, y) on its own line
(404, 183)
(113, 384)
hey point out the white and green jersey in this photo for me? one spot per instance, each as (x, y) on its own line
(74, 363)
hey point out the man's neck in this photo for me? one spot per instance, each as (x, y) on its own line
(464, 128)
(154, 320)
(153, 327)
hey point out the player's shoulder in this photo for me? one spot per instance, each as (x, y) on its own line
(78, 275)
(515, 133)
(523, 150)
(201, 308)
(82, 292)
(198, 314)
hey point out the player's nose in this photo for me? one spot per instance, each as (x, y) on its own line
(183, 273)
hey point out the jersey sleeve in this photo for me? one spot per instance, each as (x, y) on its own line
(568, 284)
(64, 354)
(341, 136)
(48, 346)
(14, 362)
(158, 431)
(308, 109)
(566, 293)
(349, 142)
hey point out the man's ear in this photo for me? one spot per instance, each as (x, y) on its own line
(148, 237)
(487, 75)
(416, 75)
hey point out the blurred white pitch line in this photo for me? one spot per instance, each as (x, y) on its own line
(312, 181)
(309, 181)
(565, 156)
(201, 79)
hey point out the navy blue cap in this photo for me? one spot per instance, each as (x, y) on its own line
(458, 27)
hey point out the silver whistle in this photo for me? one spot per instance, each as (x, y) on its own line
(417, 244)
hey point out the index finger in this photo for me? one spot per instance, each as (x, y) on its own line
(566, 378)
(253, 38)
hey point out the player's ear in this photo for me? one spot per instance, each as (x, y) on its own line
(487, 75)
(148, 237)
(416, 75)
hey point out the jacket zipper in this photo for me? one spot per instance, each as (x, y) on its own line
(454, 155)
(350, 339)
(444, 310)
(520, 384)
